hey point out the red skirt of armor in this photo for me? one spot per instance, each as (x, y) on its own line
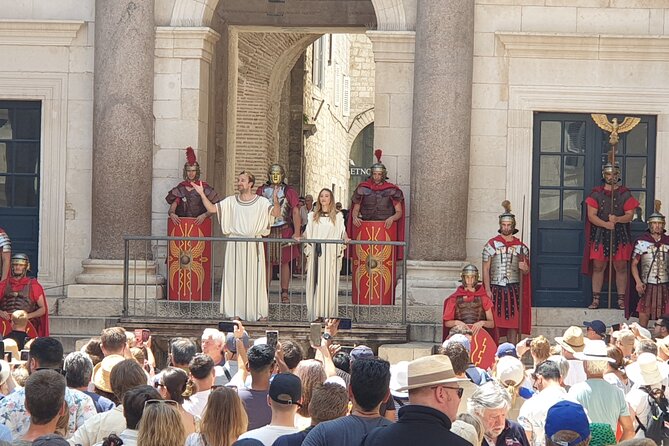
(624, 252)
(506, 302)
(654, 301)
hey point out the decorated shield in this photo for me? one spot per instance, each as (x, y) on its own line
(374, 266)
(483, 349)
(189, 262)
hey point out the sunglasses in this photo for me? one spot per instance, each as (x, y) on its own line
(169, 402)
(460, 390)
(158, 385)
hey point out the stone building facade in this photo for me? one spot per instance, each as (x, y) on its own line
(459, 90)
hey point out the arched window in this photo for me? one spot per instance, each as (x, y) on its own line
(361, 157)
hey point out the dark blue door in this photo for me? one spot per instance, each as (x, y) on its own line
(568, 153)
(20, 127)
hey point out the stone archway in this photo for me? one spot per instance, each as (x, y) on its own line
(391, 14)
(358, 125)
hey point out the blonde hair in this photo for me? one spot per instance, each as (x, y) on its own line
(161, 425)
(138, 354)
(540, 348)
(224, 418)
(20, 319)
(332, 212)
(474, 421)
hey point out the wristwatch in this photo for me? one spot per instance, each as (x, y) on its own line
(327, 336)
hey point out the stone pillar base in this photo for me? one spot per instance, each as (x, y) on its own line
(104, 279)
(430, 282)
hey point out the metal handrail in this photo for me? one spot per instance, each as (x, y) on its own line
(285, 242)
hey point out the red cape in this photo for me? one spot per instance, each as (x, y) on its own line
(586, 264)
(526, 282)
(479, 291)
(35, 293)
(631, 295)
(400, 223)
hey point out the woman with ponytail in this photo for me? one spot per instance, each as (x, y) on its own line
(174, 384)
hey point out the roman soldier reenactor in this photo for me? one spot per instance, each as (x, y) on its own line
(377, 214)
(20, 292)
(184, 200)
(5, 254)
(469, 304)
(287, 226)
(611, 208)
(650, 270)
(505, 268)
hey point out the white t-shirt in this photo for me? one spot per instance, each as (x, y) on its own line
(197, 402)
(533, 413)
(576, 372)
(268, 434)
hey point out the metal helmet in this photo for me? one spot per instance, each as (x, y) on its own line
(611, 167)
(191, 162)
(276, 174)
(21, 259)
(378, 166)
(469, 270)
(507, 217)
(656, 216)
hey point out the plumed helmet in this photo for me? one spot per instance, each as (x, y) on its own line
(611, 167)
(378, 165)
(469, 270)
(507, 216)
(191, 161)
(656, 216)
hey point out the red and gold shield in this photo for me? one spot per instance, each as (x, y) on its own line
(483, 349)
(6, 327)
(189, 262)
(374, 266)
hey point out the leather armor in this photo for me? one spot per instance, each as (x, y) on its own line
(377, 205)
(469, 312)
(18, 300)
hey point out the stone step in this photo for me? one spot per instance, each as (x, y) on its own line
(73, 325)
(394, 353)
(114, 291)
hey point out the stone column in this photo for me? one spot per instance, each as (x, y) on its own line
(441, 129)
(122, 124)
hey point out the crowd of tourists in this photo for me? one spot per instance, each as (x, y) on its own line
(591, 386)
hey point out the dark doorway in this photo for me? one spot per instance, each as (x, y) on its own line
(20, 128)
(568, 153)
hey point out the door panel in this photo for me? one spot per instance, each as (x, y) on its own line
(568, 153)
(20, 124)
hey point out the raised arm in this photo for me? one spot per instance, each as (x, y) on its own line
(211, 207)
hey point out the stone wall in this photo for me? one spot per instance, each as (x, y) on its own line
(562, 56)
(47, 55)
(327, 149)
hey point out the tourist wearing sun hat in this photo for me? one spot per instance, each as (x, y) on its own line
(434, 395)
(604, 402)
(510, 372)
(102, 372)
(649, 376)
(572, 341)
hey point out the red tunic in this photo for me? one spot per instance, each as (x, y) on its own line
(36, 291)
(451, 301)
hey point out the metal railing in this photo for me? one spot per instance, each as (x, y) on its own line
(174, 282)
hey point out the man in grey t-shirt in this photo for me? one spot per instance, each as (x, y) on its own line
(370, 379)
(261, 364)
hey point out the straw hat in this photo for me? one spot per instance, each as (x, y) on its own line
(594, 351)
(12, 347)
(572, 340)
(398, 379)
(102, 372)
(430, 371)
(647, 370)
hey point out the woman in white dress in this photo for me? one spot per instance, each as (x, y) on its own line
(324, 259)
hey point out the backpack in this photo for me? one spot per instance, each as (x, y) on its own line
(658, 422)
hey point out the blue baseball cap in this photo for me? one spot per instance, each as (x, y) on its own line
(597, 326)
(567, 416)
(506, 349)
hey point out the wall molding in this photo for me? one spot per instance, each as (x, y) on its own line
(39, 32)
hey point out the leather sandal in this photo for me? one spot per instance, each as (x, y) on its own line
(595, 302)
(285, 297)
(621, 301)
